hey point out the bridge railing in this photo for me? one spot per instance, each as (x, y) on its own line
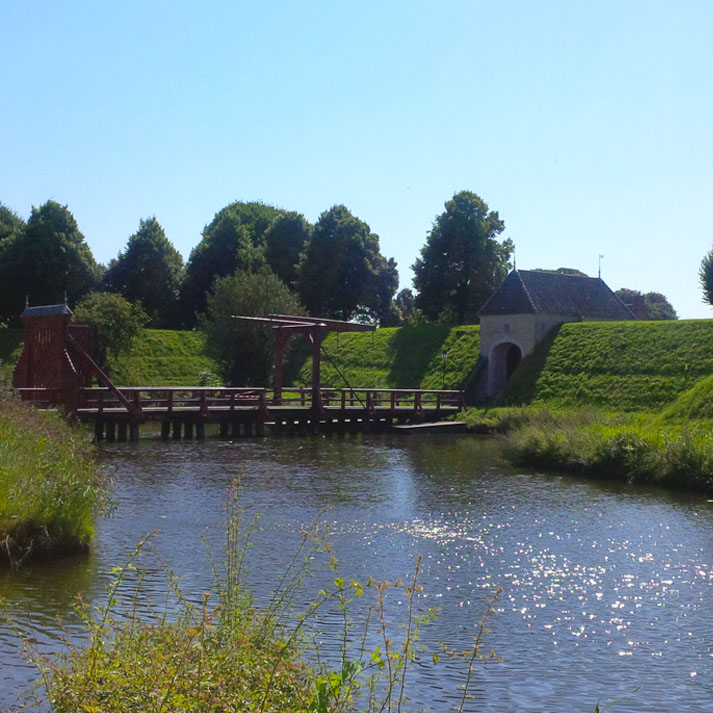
(41, 397)
(146, 400)
(172, 399)
(395, 399)
(392, 399)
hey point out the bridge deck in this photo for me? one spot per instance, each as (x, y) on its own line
(247, 408)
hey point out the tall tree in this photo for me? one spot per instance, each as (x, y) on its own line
(656, 305)
(48, 259)
(405, 303)
(343, 273)
(705, 275)
(11, 224)
(285, 241)
(11, 228)
(245, 350)
(149, 271)
(461, 263)
(233, 240)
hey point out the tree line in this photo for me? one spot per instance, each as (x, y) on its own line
(254, 258)
(333, 268)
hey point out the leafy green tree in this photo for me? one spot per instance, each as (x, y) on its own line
(47, 260)
(11, 224)
(245, 350)
(343, 273)
(11, 228)
(285, 241)
(461, 263)
(115, 323)
(656, 305)
(149, 271)
(705, 275)
(233, 240)
(405, 304)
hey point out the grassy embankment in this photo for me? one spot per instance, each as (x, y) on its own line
(161, 357)
(399, 358)
(626, 401)
(50, 487)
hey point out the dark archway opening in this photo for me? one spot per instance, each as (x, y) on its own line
(513, 359)
(504, 360)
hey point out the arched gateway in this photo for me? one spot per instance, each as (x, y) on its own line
(527, 306)
(504, 358)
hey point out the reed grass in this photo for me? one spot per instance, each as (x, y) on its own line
(50, 485)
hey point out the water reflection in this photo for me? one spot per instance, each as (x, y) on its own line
(606, 588)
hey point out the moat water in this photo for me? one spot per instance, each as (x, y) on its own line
(607, 590)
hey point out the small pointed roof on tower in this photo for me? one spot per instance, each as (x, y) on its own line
(46, 310)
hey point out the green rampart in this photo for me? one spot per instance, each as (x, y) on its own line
(620, 366)
(399, 358)
(161, 357)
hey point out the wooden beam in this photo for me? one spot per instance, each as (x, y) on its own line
(333, 325)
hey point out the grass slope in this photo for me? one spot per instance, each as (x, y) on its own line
(398, 358)
(627, 366)
(160, 357)
(694, 404)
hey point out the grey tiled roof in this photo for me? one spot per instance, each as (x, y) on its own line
(532, 292)
(46, 310)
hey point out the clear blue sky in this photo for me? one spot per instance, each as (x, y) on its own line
(586, 125)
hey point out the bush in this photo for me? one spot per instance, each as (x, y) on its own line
(114, 321)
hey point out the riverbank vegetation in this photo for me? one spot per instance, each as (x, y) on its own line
(50, 486)
(628, 447)
(620, 400)
(222, 653)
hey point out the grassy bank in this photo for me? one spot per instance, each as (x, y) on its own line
(399, 357)
(618, 366)
(50, 487)
(161, 357)
(633, 448)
